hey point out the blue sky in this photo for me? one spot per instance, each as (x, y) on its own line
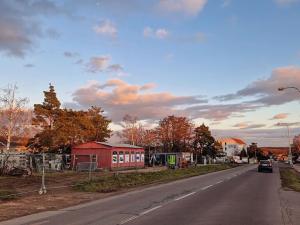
(215, 61)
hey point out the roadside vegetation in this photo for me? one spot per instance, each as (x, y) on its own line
(290, 179)
(7, 195)
(119, 181)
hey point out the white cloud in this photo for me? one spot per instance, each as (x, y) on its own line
(280, 116)
(118, 98)
(188, 7)
(160, 33)
(265, 91)
(106, 28)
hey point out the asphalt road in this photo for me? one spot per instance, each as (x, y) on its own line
(238, 196)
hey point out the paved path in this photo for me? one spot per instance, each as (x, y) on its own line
(238, 196)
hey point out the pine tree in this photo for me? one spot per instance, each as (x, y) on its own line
(46, 112)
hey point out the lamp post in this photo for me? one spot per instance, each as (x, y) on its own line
(284, 88)
(290, 148)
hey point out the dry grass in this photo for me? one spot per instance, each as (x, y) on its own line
(118, 182)
(290, 179)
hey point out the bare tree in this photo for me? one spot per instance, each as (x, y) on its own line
(131, 129)
(12, 111)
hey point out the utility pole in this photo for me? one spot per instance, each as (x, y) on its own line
(290, 157)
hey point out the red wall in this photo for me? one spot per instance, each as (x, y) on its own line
(104, 155)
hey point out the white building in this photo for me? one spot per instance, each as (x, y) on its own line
(232, 146)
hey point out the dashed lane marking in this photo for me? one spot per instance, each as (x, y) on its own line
(206, 187)
(128, 220)
(184, 196)
(150, 210)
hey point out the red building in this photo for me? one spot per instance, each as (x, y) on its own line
(108, 156)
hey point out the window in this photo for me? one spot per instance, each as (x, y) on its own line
(142, 157)
(137, 157)
(132, 157)
(115, 157)
(127, 157)
(121, 157)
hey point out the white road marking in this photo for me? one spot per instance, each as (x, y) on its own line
(150, 210)
(184, 196)
(128, 220)
(219, 182)
(204, 188)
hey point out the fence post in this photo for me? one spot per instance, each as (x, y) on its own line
(90, 169)
(43, 189)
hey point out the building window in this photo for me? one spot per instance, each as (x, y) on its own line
(132, 156)
(121, 157)
(127, 157)
(137, 157)
(115, 157)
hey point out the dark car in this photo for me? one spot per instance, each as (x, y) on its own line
(265, 165)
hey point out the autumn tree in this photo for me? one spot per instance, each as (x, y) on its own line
(62, 128)
(175, 133)
(12, 115)
(204, 142)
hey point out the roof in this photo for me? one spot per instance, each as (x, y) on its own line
(232, 140)
(118, 145)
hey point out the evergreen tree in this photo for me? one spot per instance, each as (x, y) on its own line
(61, 128)
(46, 112)
(204, 142)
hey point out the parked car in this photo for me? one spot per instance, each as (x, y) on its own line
(265, 165)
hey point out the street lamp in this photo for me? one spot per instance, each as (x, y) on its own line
(284, 88)
(290, 150)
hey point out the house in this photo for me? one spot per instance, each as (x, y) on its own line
(232, 146)
(104, 155)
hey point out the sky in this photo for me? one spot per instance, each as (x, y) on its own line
(218, 62)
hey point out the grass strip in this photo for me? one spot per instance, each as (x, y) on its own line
(119, 181)
(7, 195)
(290, 179)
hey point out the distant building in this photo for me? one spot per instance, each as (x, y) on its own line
(232, 146)
(281, 153)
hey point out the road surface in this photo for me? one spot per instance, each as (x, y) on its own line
(239, 196)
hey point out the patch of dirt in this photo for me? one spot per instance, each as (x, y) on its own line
(60, 193)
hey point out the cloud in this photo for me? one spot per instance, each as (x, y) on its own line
(187, 7)
(71, 54)
(291, 124)
(118, 98)
(20, 25)
(248, 125)
(265, 91)
(280, 116)
(160, 33)
(106, 28)
(285, 2)
(98, 64)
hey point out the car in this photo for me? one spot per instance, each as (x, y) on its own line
(265, 165)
